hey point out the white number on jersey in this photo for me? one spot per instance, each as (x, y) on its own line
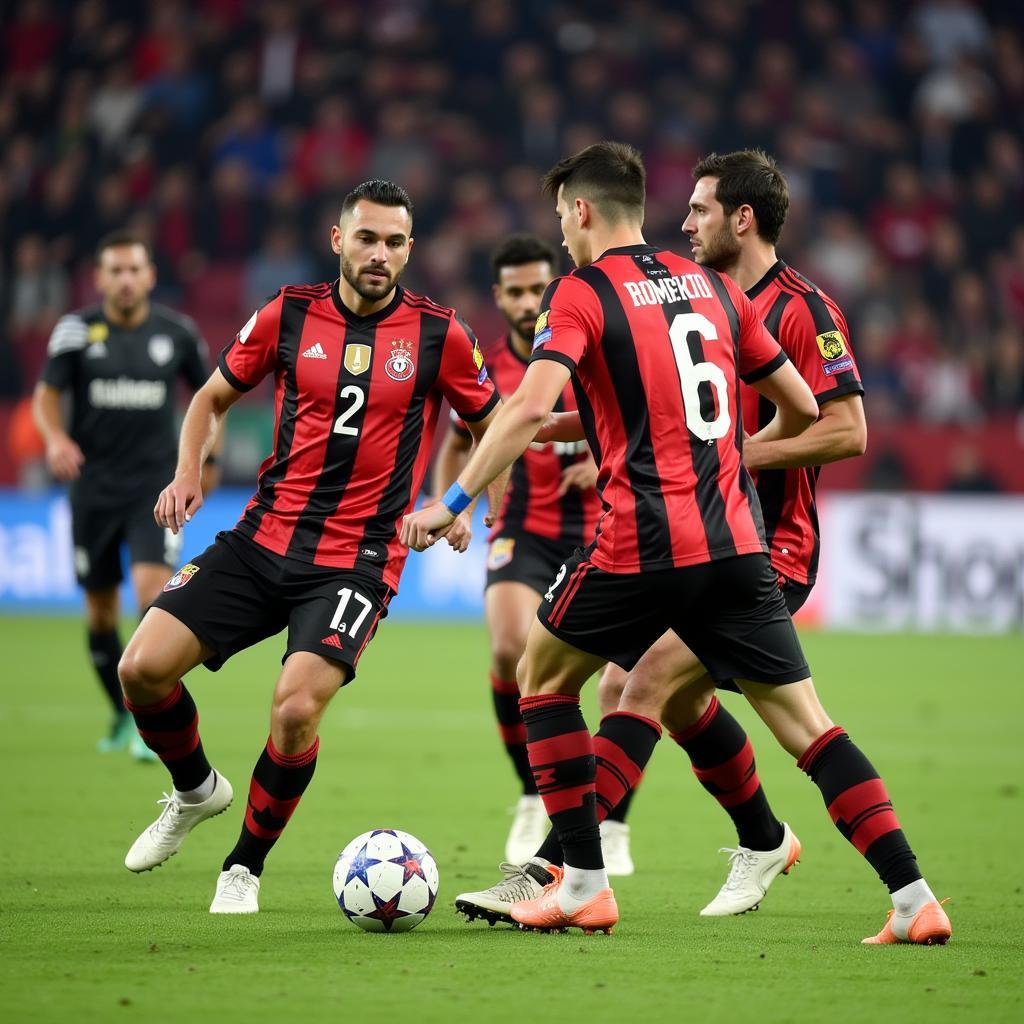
(358, 397)
(692, 374)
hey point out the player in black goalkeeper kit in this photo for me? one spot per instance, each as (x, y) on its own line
(117, 364)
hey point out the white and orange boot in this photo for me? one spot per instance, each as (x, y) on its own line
(599, 913)
(930, 926)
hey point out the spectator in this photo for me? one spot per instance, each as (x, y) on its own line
(279, 261)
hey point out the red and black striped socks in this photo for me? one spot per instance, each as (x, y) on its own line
(859, 806)
(622, 747)
(278, 782)
(170, 728)
(561, 752)
(505, 694)
(723, 760)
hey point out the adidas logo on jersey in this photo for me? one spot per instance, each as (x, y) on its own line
(315, 352)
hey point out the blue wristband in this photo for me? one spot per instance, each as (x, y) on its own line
(456, 499)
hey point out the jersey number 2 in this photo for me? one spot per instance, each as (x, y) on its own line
(358, 399)
(692, 375)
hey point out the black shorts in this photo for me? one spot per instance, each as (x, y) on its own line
(98, 531)
(237, 593)
(794, 593)
(521, 557)
(730, 613)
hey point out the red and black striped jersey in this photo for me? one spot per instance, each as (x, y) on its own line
(657, 345)
(356, 405)
(812, 331)
(532, 503)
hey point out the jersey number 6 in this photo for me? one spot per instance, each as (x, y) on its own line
(692, 375)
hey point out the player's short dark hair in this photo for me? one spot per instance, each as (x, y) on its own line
(517, 250)
(120, 237)
(749, 177)
(379, 191)
(610, 174)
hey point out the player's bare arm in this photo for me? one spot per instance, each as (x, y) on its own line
(794, 402)
(64, 458)
(496, 488)
(505, 437)
(183, 496)
(451, 461)
(561, 426)
(841, 432)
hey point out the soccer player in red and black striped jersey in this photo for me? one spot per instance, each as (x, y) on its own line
(656, 345)
(736, 215)
(550, 508)
(361, 367)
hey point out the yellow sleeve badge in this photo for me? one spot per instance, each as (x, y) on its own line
(831, 345)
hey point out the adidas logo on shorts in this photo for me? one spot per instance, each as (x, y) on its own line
(315, 352)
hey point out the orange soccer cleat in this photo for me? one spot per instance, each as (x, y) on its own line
(930, 926)
(543, 914)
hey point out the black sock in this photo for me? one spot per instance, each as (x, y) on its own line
(621, 809)
(278, 782)
(622, 747)
(723, 761)
(562, 757)
(505, 695)
(859, 806)
(170, 728)
(105, 653)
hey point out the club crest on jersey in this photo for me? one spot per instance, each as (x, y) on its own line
(399, 365)
(831, 345)
(357, 358)
(161, 349)
(500, 553)
(97, 333)
(541, 331)
(181, 577)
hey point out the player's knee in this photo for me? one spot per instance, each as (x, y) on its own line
(142, 679)
(610, 687)
(296, 713)
(505, 654)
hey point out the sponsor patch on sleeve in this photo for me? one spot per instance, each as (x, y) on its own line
(541, 332)
(831, 345)
(837, 366)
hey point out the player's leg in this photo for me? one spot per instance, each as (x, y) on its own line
(102, 611)
(96, 535)
(162, 650)
(858, 803)
(510, 607)
(284, 769)
(615, 838)
(332, 616)
(153, 553)
(210, 608)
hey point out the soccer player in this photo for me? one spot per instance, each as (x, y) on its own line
(550, 509)
(736, 215)
(361, 367)
(655, 343)
(119, 364)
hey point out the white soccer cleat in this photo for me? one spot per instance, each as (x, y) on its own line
(162, 839)
(521, 882)
(529, 829)
(615, 848)
(237, 892)
(750, 874)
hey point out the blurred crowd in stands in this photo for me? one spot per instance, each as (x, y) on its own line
(227, 131)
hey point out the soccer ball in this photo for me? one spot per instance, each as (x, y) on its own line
(385, 881)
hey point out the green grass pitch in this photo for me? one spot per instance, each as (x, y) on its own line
(413, 745)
